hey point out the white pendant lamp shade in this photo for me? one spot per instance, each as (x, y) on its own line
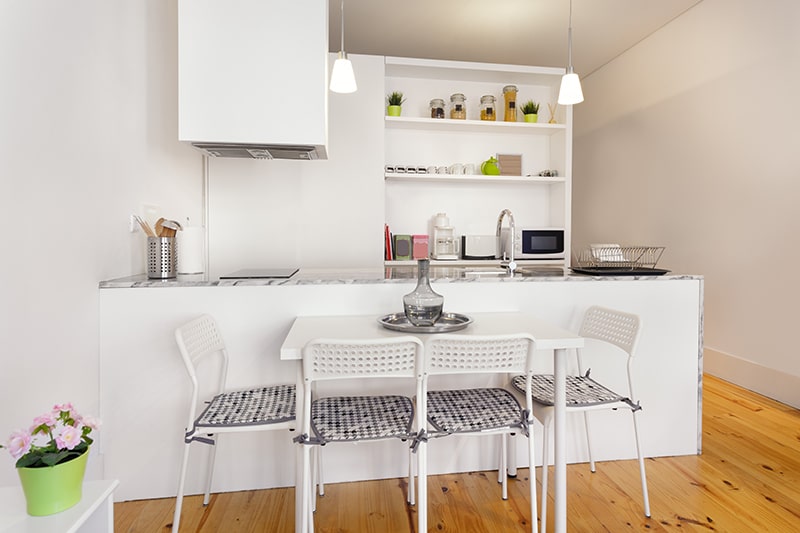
(343, 79)
(571, 92)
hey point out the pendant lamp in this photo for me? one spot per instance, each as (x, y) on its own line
(343, 80)
(570, 92)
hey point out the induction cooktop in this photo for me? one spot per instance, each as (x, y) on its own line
(261, 273)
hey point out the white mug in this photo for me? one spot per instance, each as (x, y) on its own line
(456, 168)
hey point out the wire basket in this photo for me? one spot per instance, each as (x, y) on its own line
(619, 257)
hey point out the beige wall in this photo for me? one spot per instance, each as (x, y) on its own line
(689, 140)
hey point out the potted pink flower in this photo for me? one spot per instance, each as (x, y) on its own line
(51, 458)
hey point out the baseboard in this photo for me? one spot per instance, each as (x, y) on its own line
(772, 383)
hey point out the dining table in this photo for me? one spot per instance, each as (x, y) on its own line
(548, 338)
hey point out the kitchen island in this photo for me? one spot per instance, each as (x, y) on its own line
(144, 389)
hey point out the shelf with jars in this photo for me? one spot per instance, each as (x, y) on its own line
(459, 115)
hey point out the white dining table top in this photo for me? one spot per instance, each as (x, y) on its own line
(306, 328)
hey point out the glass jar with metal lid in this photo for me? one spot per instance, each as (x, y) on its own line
(488, 109)
(510, 97)
(458, 107)
(437, 108)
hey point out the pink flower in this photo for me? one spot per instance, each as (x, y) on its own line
(91, 422)
(57, 408)
(68, 438)
(46, 419)
(19, 443)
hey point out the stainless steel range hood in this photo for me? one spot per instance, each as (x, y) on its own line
(262, 151)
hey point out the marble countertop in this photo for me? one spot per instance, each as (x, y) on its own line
(389, 274)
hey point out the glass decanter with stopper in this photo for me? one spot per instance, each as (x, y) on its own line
(423, 306)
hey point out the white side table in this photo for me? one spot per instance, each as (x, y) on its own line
(93, 514)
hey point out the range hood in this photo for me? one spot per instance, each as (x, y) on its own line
(262, 151)
(237, 97)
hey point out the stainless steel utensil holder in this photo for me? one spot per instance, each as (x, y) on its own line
(161, 258)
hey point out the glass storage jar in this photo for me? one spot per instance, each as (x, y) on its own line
(458, 109)
(437, 108)
(488, 110)
(510, 96)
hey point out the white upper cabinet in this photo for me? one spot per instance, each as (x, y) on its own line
(253, 72)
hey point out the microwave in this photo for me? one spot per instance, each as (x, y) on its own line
(538, 243)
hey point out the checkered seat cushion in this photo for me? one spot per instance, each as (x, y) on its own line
(252, 407)
(354, 418)
(468, 410)
(581, 390)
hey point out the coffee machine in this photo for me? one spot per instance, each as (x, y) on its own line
(445, 243)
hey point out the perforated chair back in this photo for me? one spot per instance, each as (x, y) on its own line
(393, 357)
(612, 326)
(467, 354)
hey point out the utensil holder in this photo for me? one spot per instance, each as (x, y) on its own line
(161, 257)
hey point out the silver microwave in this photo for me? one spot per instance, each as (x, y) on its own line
(537, 243)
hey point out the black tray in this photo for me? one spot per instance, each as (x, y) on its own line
(618, 271)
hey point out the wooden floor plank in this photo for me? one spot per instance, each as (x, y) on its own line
(747, 479)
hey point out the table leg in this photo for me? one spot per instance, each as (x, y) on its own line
(299, 487)
(559, 431)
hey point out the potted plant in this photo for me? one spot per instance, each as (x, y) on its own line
(531, 111)
(51, 458)
(394, 101)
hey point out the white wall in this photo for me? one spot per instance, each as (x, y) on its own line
(88, 135)
(689, 140)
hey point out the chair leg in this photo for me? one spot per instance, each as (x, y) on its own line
(504, 464)
(592, 466)
(320, 479)
(307, 492)
(410, 497)
(548, 422)
(176, 519)
(645, 496)
(212, 457)
(532, 476)
(422, 488)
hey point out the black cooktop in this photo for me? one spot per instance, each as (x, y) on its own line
(261, 273)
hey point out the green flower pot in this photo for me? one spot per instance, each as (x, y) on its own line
(394, 110)
(531, 118)
(52, 489)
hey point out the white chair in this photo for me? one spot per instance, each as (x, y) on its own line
(475, 411)
(256, 409)
(332, 419)
(585, 394)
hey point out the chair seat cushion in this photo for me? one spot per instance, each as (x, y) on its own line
(581, 390)
(264, 405)
(469, 410)
(354, 418)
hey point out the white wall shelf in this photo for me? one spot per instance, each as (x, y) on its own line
(480, 126)
(472, 178)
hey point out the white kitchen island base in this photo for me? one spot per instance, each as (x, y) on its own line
(144, 388)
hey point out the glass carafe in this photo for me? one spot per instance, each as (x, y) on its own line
(422, 306)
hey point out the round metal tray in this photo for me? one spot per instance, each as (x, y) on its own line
(445, 324)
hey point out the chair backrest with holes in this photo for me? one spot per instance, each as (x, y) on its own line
(467, 354)
(394, 357)
(196, 341)
(615, 327)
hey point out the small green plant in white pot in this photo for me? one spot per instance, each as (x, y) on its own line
(395, 101)
(531, 111)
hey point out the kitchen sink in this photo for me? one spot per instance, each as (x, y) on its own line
(485, 271)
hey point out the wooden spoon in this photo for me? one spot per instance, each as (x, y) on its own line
(160, 227)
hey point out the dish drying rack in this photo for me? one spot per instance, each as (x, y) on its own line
(608, 256)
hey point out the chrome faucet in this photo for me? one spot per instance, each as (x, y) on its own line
(510, 263)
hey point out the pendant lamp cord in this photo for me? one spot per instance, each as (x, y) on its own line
(342, 10)
(569, 39)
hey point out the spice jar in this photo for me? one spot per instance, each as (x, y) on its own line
(437, 108)
(510, 96)
(458, 109)
(488, 107)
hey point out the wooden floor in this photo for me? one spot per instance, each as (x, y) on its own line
(746, 480)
